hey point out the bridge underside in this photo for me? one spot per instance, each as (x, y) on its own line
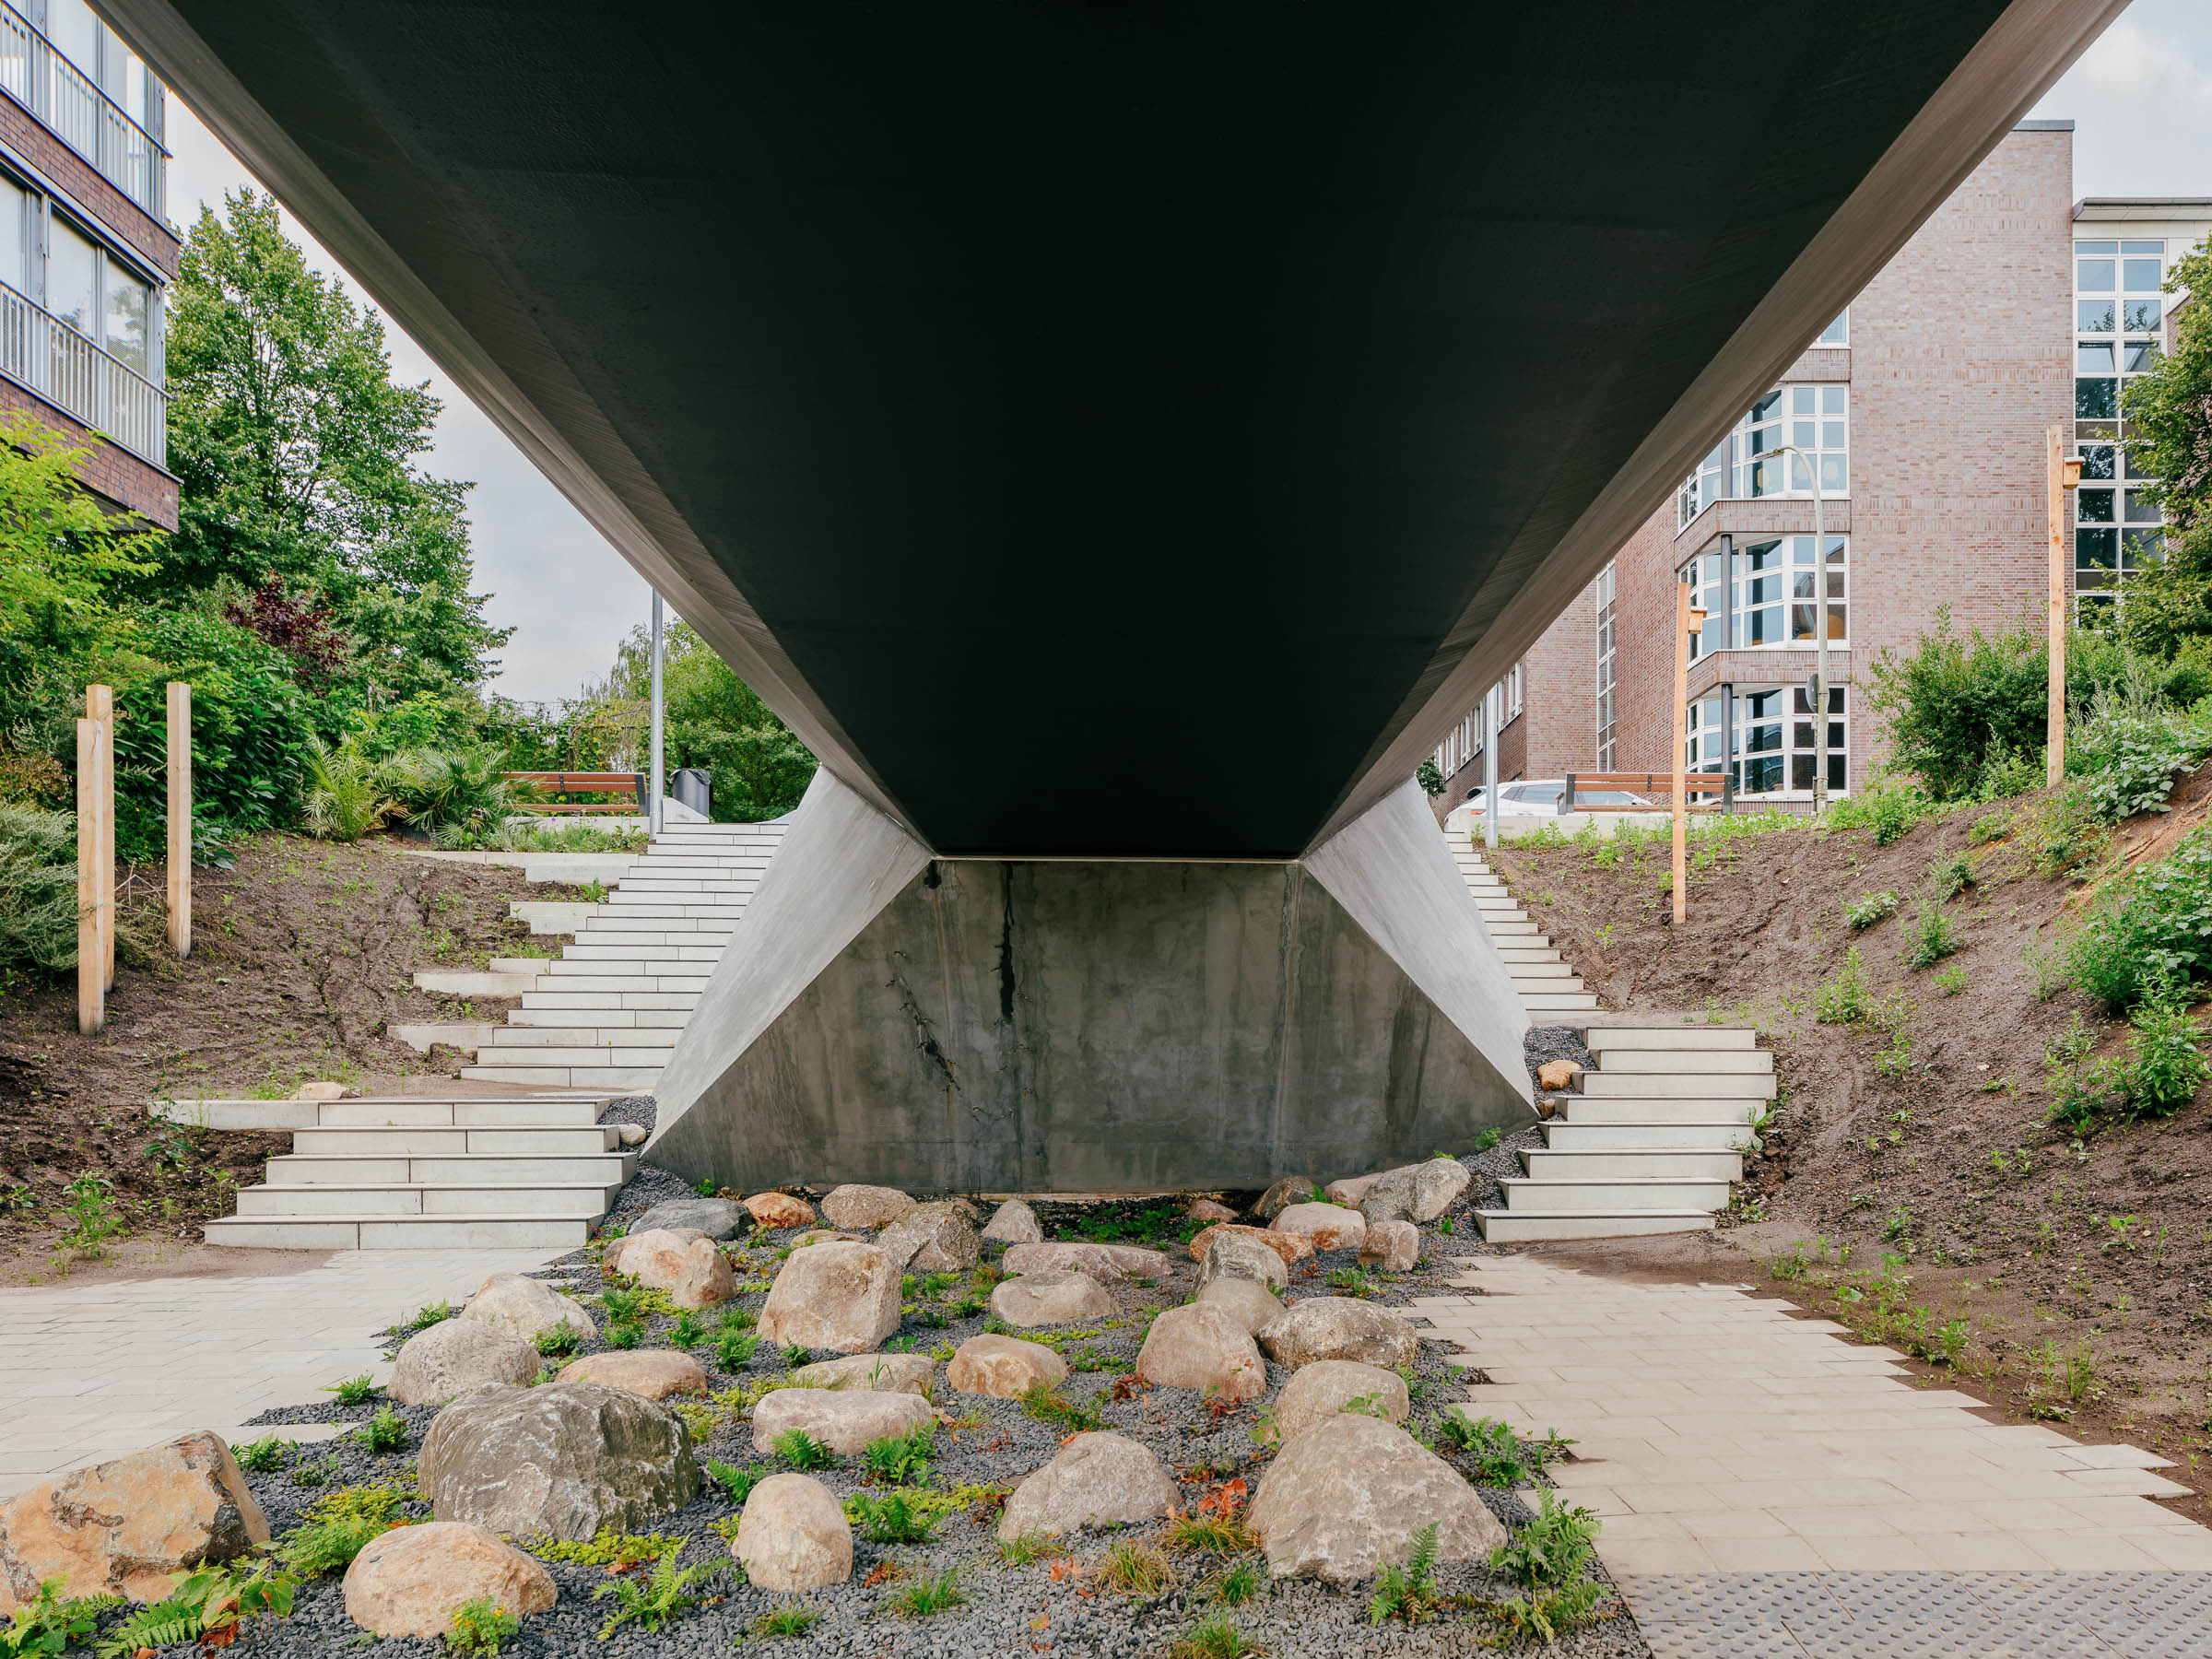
(1111, 432)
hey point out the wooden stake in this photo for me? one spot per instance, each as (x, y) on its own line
(180, 818)
(92, 990)
(1681, 764)
(99, 705)
(2055, 750)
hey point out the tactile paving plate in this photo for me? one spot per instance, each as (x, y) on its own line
(1924, 1615)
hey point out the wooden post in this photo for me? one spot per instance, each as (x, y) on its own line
(180, 818)
(2055, 750)
(99, 705)
(1681, 770)
(91, 989)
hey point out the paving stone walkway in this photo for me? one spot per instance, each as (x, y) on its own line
(90, 1371)
(1767, 1489)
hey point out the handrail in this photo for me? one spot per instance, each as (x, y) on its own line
(44, 80)
(39, 351)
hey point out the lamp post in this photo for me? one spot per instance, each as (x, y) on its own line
(652, 788)
(2063, 473)
(1820, 627)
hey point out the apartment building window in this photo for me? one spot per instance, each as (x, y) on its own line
(2118, 317)
(1770, 598)
(1606, 726)
(1772, 737)
(1815, 421)
(1837, 333)
(1509, 695)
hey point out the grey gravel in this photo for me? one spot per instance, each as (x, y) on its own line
(1539, 1043)
(992, 1444)
(639, 1108)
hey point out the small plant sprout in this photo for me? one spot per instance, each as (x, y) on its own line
(929, 1594)
(1870, 909)
(799, 1450)
(1025, 1549)
(901, 1460)
(262, 1456)
(1238, 1585)
(559, 1342)
(663, 1593)
(481, 1628)
(1406, 1591)
(1135, 1568)
(793, 1618)
(433, 1313)
(733, 1348)
(384, 1433)
(688, 1332)
(893, 1518)
(354, 1390)
(1951, 981)
(739, 1483)
(1930, 938)
(1214, 1636)
(795, 1354)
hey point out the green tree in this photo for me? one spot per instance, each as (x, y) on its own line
(2169, 415)
(714, 721)
(297, 455)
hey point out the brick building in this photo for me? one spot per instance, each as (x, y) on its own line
(87, 252)
(1925, 407)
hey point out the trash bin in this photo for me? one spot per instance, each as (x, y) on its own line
(694, 787)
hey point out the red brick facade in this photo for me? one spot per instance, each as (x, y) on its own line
(111, 473)
(71, 176)
(1959, 360)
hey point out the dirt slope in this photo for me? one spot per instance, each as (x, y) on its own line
(2082, 1269)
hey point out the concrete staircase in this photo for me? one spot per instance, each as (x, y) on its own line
(1654, 1133)
(409, 1172)
(608, 1012)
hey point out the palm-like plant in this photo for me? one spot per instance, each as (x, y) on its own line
(461, 789)
(346, 799)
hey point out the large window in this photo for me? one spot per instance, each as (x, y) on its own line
(1763, 737)
(1605, 727)
(1815, 421)
(2118, 320)
(1765, 593)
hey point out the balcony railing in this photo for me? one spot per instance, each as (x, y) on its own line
(41, 351)
(90, 122)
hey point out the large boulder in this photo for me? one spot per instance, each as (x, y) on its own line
(1098, 1480)
(1290, 1190)
(794, 1536)
(1247, 1301)
(1346, 1496)
(408, 1581)
(1339, 1327)
(654, 1372)
(872, 1374)
(779, 1210)
(1350, 1190)
(1239, 1255)
(1050, 1298)
(1208, 1210)
(843, 1419)
(1289, 1246)
(693, 1271)
(1325, 1388)
(527, 1308)
(1003, 1366)
(1015, 1223)
(717, 1218)
(1419, 1191)
(1202, 1346)
(1324, 1225)
(566, 1459)
(128, 1526)
(654, 1239)
(1394, 1246)
(865, 1207)
(840, 1297)
(933, 1238)
(459, 1355)
(1101, 1261)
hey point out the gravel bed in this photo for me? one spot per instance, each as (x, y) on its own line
(989, 1443)
(1539, 1043)
(630, 1109)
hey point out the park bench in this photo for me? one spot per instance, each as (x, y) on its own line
(584, 782)
(1651, 783)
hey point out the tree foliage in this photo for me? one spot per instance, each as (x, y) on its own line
(297, 453)
(2169, 416)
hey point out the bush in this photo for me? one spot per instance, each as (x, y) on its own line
(38, 890)
(344, 799)
(2169, 1064)
(2133, 760)
(1887, 809)
(1846, 999)
(1954, 707)
(1870, 909)
(455, 793)
(2151, 928)
(1930, 937)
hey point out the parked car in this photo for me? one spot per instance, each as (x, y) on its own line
(1539, 798)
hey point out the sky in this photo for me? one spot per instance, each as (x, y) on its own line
(2141, 99)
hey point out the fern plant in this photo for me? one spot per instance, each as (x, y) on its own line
(663, 1593)
(891, 1519)
(344, 799)
(47, 1623)
(1550, 1559)
(903, 1459)
(1408, 1592)
(202, 1608)
(800, 1450)
(739, 1483)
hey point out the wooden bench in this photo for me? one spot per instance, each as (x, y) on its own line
(1650, 783)
(584, 782)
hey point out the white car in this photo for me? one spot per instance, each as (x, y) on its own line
(1539, 798)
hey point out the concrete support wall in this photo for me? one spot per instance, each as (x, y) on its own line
(1093, 1026)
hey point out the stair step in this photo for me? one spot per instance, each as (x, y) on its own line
(466, 1114)
(452, 1142)
(1556, 1164)
(295, 1168)
(1576, 1001)
(670, 1001)
(630, 1053)
(1713, 1135)
(1628, 1196)
(1679, 1086)
(600, 1018)
(473, 982)
(1586, 1109)
(1519, 1227)
(1598, 1038)
(333, 1198)
(488, 1231)
(632, 1078)
(1645, 1062)
(1553, 969)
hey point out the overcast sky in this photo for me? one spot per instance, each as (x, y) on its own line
(2142, 100)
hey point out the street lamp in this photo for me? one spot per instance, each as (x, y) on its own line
(1819, 696)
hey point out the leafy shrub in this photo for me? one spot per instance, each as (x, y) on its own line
(49, 1622)
(1870, 909)
(799, 1450)
(1932, 936)
(1847, 998)
(208, 1606)
(455, 794)
(901, 1459)
(345, 797)
(481, 1628)
(1953, 705)
(2168, 1065)
(1951, 981)
(1550, 1559)
(38, 889)
(340, 1525)
(2151, 928)
(1886, 809)
(562, 1340)
(606, 1548)
(2135, 758)
(1490, 1443)
(1951, 877)
(386, 1431)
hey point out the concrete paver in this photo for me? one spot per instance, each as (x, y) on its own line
(98, 1369)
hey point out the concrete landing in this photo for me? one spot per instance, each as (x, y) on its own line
(89, 1372)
